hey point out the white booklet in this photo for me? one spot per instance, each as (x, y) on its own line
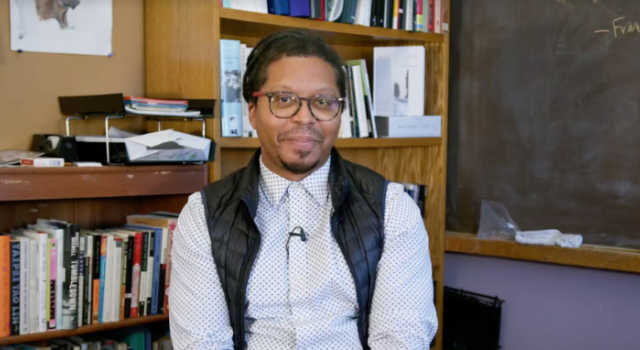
(398, 81)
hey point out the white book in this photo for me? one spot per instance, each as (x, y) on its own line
(259, 6)
(58, 234)
(33, 286)
(361, 110)
(42, 242)
(409, 126)
(145, 276)
(437, 17)
(246, 125)
(363, 13)
(399, 80)
(108, 281)
(117, 278)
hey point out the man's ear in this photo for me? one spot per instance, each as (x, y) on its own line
(252, 114)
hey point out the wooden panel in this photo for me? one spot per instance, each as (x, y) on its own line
(261, 24)
(18, 184)
(591, 256)
(181, 46)
(30, 82)
(89, 213)
(83, 330)
(245, 142)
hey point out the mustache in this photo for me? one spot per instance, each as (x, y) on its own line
(302, 131)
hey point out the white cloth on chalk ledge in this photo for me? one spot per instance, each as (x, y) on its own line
(549, 237)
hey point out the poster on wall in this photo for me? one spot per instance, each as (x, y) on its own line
(62, 26)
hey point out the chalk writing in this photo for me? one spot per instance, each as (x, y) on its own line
(620, 28)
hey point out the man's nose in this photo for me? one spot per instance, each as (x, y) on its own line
(304, 115)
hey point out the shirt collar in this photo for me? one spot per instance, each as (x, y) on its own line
(275, 186)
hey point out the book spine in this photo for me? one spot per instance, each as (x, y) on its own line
(431, 22)
(53, 277)
(136, 275)
(33, 285)
(123, 276)
(43, 282)
(103, 270)
(24, 286)
(129, 276)
(15, 287)
(437, 17)
(419, 16)
(445, 16)
(81, 272)
(88, 283)
(143, 275)
(5, 283)
(97, 279)
(157, 248)
(42, 162)
(167, 282)
(116, 280)
(230, 82)
(70, 282)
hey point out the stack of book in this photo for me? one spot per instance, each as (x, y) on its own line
(55, 275)
(150, 106)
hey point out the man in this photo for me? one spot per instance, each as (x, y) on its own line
(300, 249)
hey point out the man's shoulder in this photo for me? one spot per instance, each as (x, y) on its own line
(217, 191)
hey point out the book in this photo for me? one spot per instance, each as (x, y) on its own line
(231, 88)
(409, 126)
(5, 286)
(41, 273)
(399, 84)
(15, 285)
(42, 162)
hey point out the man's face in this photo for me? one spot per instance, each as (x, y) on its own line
(295, 147)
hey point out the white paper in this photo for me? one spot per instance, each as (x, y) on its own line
(73, 26)
(186, 148)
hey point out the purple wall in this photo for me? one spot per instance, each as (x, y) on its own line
(554, 307)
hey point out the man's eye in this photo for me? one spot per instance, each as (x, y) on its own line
(284, 99)
(322, 101)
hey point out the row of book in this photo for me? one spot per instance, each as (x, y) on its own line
(55, 275)
(133, 338)
(429, 16)
(418, 193)
(398, 91)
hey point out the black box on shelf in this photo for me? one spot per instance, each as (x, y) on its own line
(93, 149)
(56, 146)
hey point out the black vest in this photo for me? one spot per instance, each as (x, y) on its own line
(358, 198)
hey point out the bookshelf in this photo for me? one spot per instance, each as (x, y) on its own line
(42, 336)
(182, 61)
(94, 198)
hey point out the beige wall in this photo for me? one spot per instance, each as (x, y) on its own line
(30, 82)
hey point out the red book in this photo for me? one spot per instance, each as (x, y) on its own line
(135, 278)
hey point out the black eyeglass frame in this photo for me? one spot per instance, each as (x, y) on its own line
(300, 99)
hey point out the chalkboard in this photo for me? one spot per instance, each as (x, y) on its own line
(544, 115)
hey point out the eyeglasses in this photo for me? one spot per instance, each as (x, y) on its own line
(287, 104)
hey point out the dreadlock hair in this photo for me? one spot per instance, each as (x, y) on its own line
(290, 43)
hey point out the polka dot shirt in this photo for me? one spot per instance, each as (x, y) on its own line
(301, 294)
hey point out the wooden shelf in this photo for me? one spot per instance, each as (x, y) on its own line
(238, 20)
(590, 256)
(20, 184)
(16, 339)
(246, 142)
